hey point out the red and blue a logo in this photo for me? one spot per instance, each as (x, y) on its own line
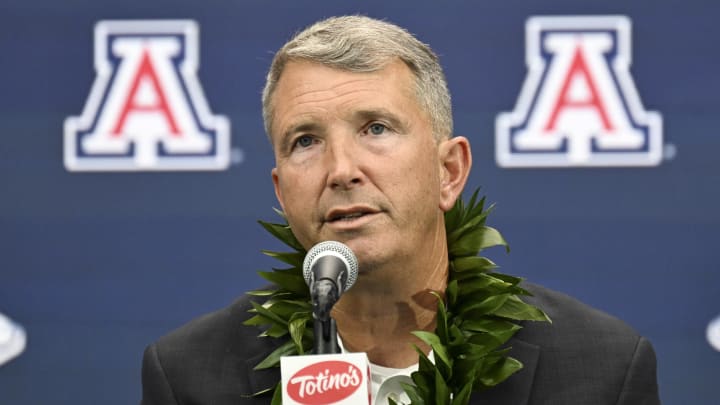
(578, 105)
(146, 110)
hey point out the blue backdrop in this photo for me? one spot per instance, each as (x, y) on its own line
(97, 265)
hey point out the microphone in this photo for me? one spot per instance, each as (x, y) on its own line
(327, 376)
(330, 268)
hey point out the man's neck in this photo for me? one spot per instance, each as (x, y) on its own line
(378, 314)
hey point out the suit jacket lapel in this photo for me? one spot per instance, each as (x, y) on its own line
(516, 389)
(261, 380)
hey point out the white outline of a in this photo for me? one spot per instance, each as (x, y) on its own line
(535, 67)
(188, 70)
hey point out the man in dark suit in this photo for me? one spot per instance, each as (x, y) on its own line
(359, 116)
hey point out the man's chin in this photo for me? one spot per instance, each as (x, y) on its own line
(370, 250)
(369, 255)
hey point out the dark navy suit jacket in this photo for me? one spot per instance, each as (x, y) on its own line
(585, 357)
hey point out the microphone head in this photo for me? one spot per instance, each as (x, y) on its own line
(336, 249)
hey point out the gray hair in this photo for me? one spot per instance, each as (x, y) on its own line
(363, 44)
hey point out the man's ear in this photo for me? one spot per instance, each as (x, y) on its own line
(455, 163)
(276, 183)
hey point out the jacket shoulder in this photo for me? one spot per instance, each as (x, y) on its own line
(213, 356)
(217, 327)
(572, 317)
(586, 355)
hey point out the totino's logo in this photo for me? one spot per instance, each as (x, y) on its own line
(146, 109)
(578, 105)
(324, 383)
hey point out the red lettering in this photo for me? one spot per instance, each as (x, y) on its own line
(325, 382)
(578, 70)
(146, 72)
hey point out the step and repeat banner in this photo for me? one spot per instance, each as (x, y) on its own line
(134, 167)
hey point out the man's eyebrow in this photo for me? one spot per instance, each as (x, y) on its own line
(382, 113)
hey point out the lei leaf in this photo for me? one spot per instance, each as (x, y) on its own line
(479, 314)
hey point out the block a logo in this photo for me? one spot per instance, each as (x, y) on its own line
(578, 105)
(146, 110)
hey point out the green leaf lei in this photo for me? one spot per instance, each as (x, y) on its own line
(480, 312)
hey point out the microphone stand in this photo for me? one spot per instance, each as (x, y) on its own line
(325, 337)
(325, 295)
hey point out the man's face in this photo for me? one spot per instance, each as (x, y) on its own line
(356, 161)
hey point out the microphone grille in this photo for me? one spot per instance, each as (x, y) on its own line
(331, 247)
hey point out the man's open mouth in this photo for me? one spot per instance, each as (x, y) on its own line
(347, 215)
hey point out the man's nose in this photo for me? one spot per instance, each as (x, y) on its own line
(343, 159)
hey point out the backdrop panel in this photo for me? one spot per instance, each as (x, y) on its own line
(96, 265)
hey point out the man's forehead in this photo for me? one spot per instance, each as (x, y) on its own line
(299, 73)
(303, 83)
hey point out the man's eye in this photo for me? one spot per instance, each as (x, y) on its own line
(377, 129)
(304, 141)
